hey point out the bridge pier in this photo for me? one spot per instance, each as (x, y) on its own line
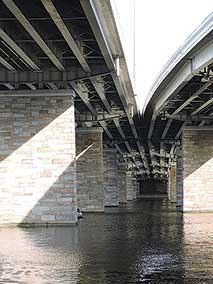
(90, 170)
(172, 182)
(129, 185)
(197, 169)
(134, 184)
(110, 177)
(37, 160)
(122, 192)
(179, 179)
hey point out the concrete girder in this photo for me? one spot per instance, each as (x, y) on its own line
(51, 9)
(33, 33)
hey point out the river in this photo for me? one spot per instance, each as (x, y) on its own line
(145, 241)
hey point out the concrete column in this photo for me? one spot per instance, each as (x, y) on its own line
(122, 193)
(90, 171)
(129, 186)
(37, 161)
(172, 183)
(179, 179)
(197, 144)
(110, 177)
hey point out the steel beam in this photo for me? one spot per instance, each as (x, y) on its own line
(51, 9)
(10, 42)
(6, 64)
(36, 93)
(202, 107)
(33, 33)
(191, 98)
(102, 96)
(90, 12)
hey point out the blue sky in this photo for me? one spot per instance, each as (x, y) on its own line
(161, 27)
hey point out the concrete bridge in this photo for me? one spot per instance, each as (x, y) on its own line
(70, 135)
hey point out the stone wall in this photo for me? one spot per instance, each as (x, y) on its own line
(110, 177)
(197, 146)
(129, 186)
(122, 193)
(37, 160)
(90, 171)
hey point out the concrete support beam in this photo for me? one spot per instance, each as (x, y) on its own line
(37, 161)
(90, 171)
(110, 177)
(197, 169)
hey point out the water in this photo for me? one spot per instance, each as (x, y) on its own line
(143, 242)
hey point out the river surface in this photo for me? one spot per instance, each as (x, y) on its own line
(142, 242)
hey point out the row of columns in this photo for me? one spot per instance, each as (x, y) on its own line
(190, 177)
(49, 168)
(102, 176)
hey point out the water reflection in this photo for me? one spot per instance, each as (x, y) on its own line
(143, 242)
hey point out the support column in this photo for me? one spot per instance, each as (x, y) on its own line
(90, 171)
(122, 193)
(110, 177)
(138, 189)
(37, 160)
(179, 179)
(197, 144)
(134, 184)
(129, 186)
(172, 183)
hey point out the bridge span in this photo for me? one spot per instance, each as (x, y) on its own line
(71, 136)
(178, 119)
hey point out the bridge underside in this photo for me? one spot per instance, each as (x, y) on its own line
(68, 137)
(70, 133)
(179, 122)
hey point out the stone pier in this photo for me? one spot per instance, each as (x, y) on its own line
(110, 177)
(129, 186)
(134, 184)
(122, 193)
(197, 144)
(37, 159)
(172, 182)
(90, 170)
(179, 179)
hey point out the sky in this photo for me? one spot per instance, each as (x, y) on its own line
(160, 28)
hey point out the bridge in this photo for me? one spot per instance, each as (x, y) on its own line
(178, 119)
(71, 135)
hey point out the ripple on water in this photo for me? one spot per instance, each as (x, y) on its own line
(144, 242)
